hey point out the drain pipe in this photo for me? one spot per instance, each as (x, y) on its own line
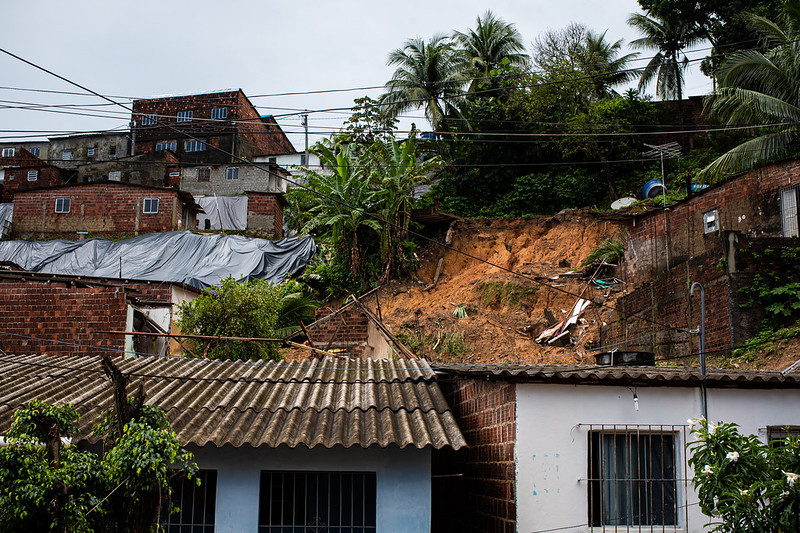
(701, 330)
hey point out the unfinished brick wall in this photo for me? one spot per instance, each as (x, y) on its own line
(725, 272)
(347, 330)
(748, 204)
(483, 497)
(16, 173)
(265, 212)
(101, 209)
(35, 313)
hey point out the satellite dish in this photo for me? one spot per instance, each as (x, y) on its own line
(623, 202)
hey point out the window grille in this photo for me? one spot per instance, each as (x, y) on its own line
(308, 502)
(789, 212)
(62, 205)
(149, 120)
(633, 475)
(33, 175)
(173, 145)
(204, 174)
(185, 116)
(8, 152)
(90, 152)
(219, 112)
(196, 505)
(66, 155)
(194, 146)
(775, 434)
(232, 173)
(150, 206)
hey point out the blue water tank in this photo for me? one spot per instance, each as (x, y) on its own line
(653, 189)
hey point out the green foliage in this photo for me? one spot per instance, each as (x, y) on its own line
(438, 343)
(763, 343)
(610, 251)
(746, 485)
(233, 309)
(78, 491)
(502, 293)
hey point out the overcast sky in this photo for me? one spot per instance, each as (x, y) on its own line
(148, 48)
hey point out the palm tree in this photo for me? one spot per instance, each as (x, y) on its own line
(669, 36)
(760, 88)
(600, 58)
(430, 75)
(491, 43)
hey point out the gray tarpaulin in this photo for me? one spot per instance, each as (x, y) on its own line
(223, 212)
(180, 256)
(6, 210)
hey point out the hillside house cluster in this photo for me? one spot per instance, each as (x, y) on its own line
(203, 145)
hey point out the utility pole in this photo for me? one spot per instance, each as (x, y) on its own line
(305, 126)
(133, 137)
(701, 330)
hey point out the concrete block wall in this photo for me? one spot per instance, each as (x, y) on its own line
(34, 313)
(483, 497)
(250, 178)
(101, 209)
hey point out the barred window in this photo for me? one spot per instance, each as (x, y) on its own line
(203, 174)
(306, 502)
(33, 175)
(185, 116)
(194, 146)
(90, 152)
(633, 476)
(169, 145)
(149, 120)
(195, 505)
(219, 112)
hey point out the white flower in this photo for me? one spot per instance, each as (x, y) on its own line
(791, 478)
(744, 492)
(707, 469)
(712, 427)
(732, 456)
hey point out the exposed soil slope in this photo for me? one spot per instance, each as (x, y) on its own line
(505, 312)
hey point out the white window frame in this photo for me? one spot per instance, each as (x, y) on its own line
(90, 152)
(633, 488)
(185, 116)
(66, 155)
(160, 147)
(232, 173)
(789, 212)
(63, 205)
(150, 206)
(194, 146)
(149, 120)
(33, 175)
(710, 221)
(8, 152)
(219, 113)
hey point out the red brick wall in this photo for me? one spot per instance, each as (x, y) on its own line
(60, 311)
(102, 209)
(264, 135)
(16, 175)
(348, 327)
(265, 211)
(748, 204)
(483, 498)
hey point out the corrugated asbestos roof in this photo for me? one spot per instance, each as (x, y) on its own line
(324, 402)
(610, 375)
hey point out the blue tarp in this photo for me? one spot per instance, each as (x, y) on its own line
(177, 256)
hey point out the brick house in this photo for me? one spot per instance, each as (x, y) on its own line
(69, 151)
(193, 125)
(103, 208)
(39, 310)
(555, 447)
(719, 238)
(21, 170)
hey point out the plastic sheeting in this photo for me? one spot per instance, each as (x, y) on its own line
(177, 256)
(222, 212)
(6, 212)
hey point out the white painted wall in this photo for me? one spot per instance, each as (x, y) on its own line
(403, 479)
(552, 445)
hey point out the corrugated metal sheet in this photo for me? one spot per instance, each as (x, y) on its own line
(607, 375)
(324, 402)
